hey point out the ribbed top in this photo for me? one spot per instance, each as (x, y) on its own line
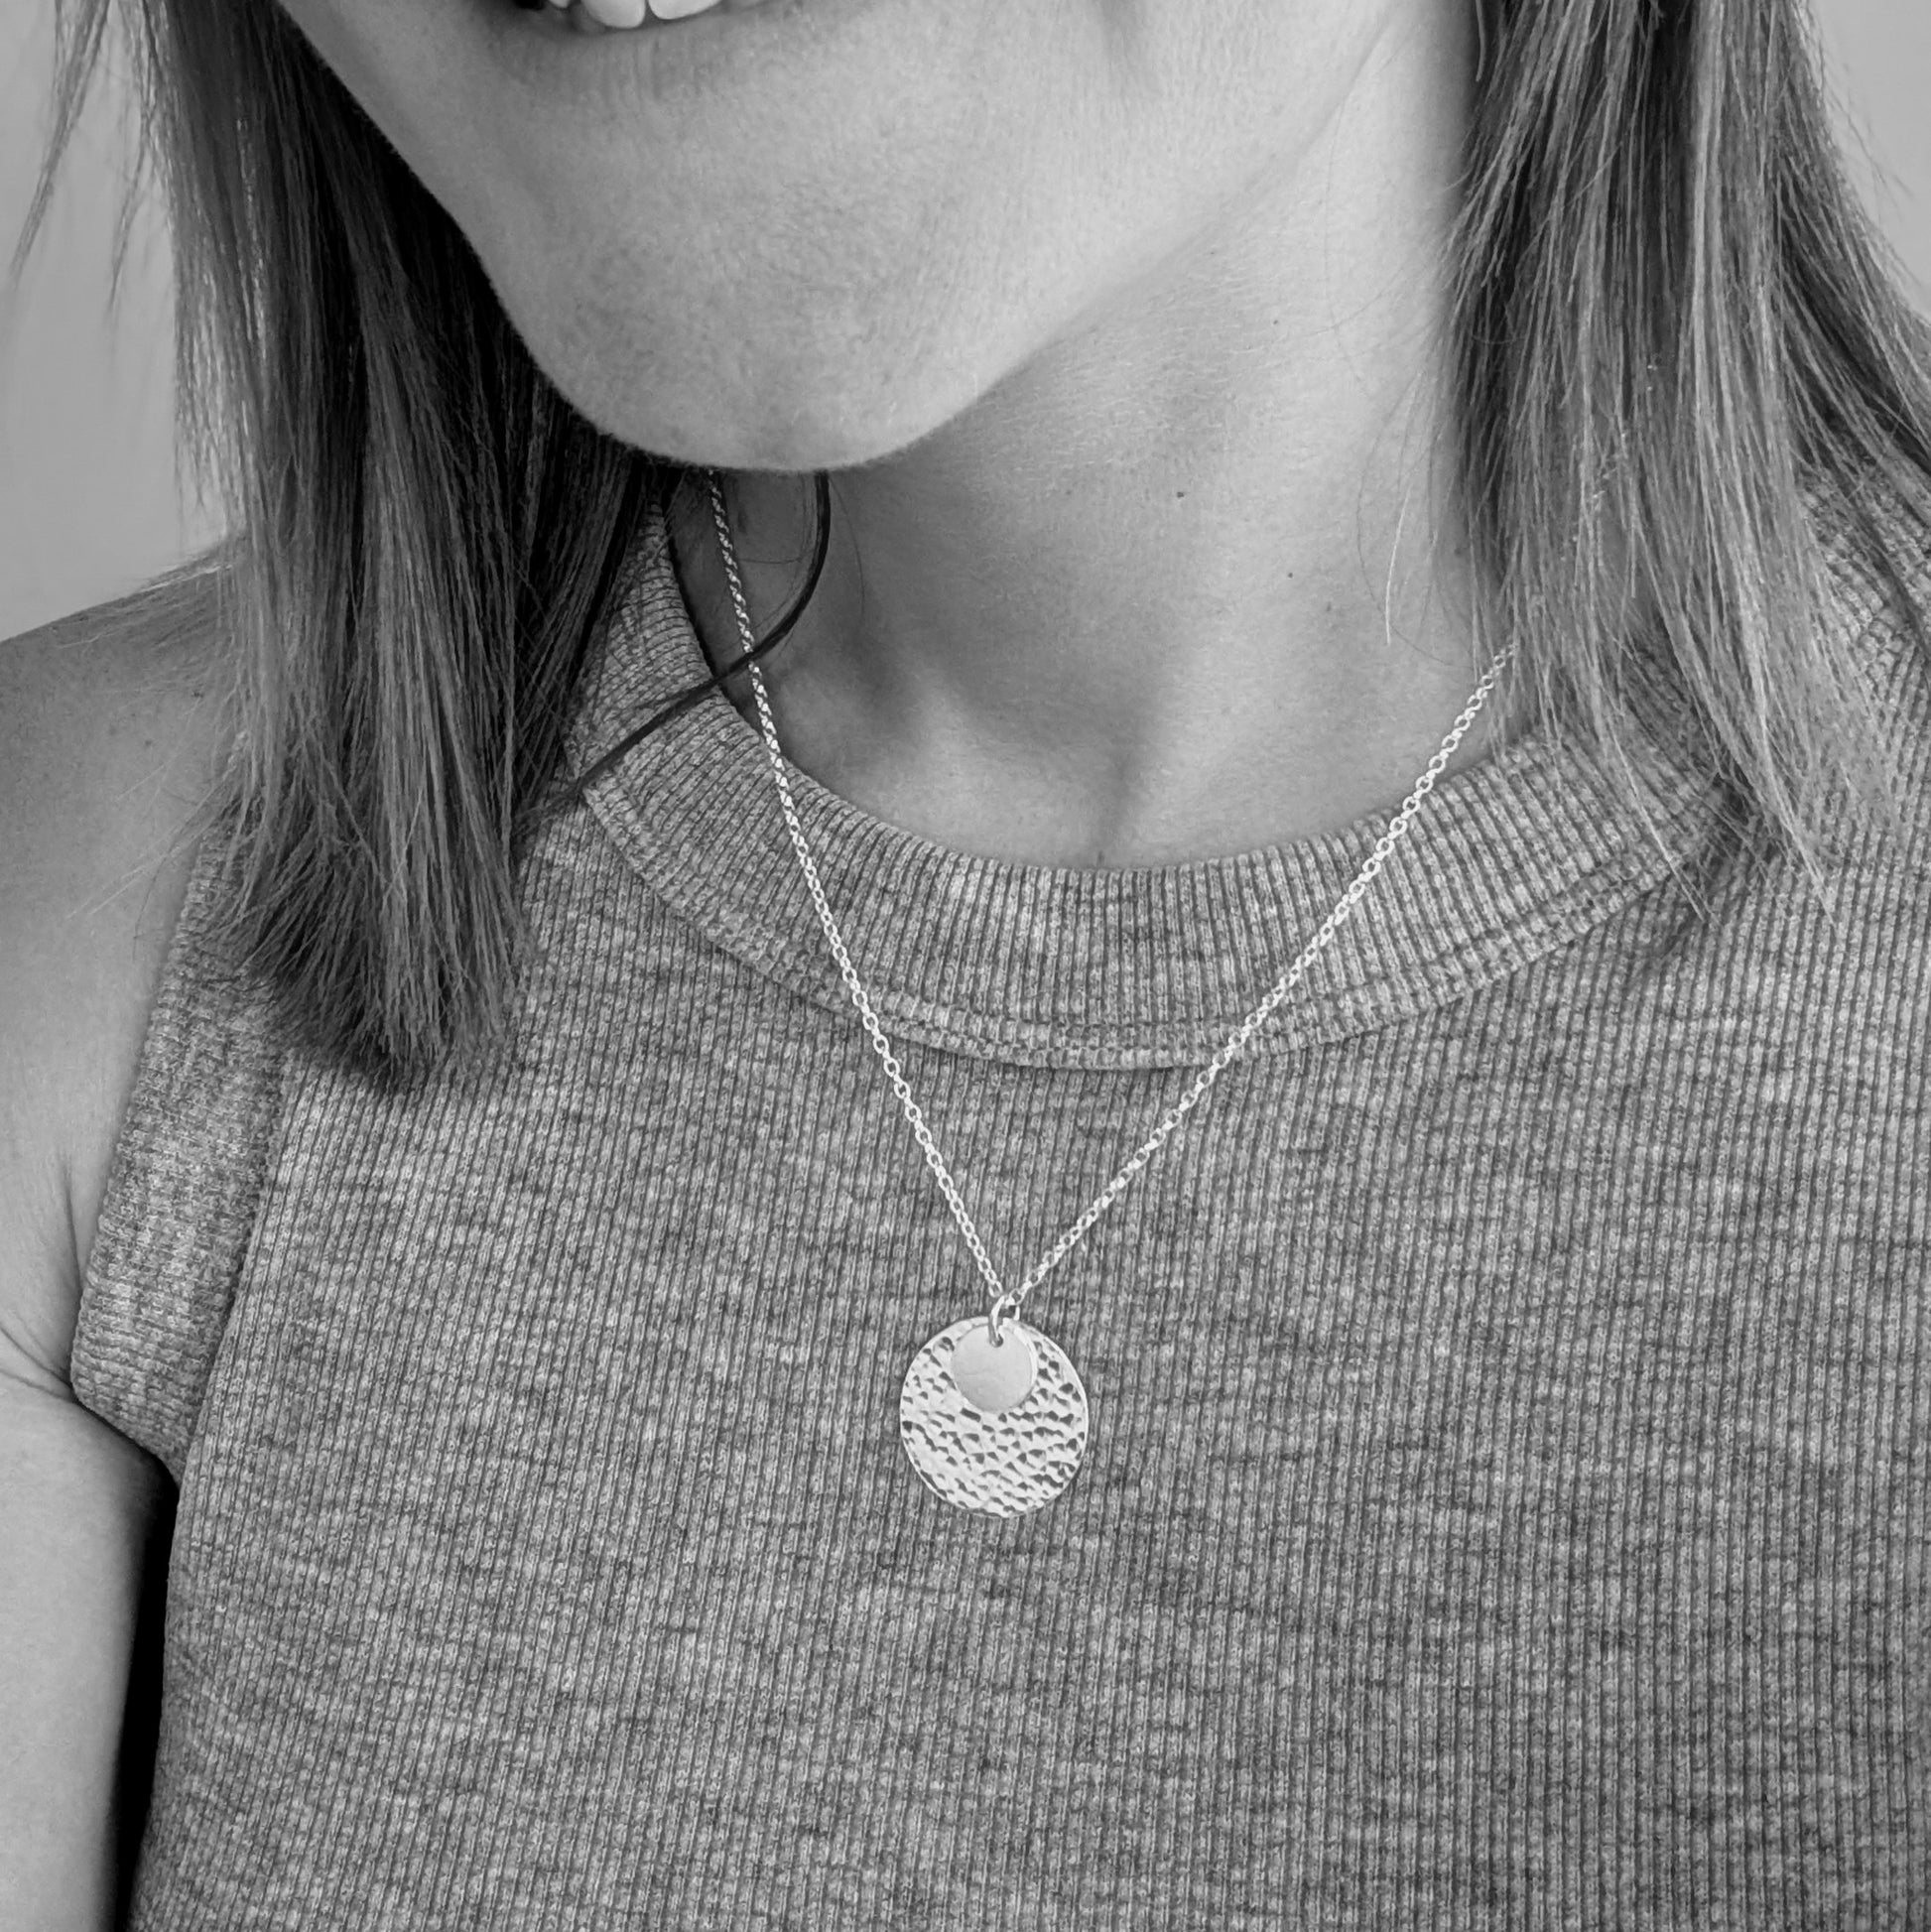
(1506, 1501)
(1137, 966)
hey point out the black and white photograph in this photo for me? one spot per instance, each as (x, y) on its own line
(965, 966)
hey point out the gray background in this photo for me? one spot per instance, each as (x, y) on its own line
(90, 504)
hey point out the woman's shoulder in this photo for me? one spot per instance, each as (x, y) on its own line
(112, 733)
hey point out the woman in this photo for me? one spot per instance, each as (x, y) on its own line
(995, 1270)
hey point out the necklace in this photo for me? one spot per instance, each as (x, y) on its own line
(993, 1414)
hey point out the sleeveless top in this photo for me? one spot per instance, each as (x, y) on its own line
(1509, 1498)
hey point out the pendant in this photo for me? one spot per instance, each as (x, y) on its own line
(997, 1429)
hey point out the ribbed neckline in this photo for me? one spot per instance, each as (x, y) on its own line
(1125, 968)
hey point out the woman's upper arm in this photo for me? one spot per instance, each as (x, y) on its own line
(108, 740)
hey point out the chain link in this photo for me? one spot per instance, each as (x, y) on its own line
(1007, 1302)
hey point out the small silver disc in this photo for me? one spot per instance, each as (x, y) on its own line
(993, 1375)
(1002, 1464)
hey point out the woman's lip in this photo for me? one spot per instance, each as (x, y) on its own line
(555, 16)
(663, 67)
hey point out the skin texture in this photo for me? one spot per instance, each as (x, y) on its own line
(1117, 320)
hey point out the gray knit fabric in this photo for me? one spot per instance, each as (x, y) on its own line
(1509, 1493)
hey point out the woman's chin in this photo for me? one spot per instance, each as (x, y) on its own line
(753, 412)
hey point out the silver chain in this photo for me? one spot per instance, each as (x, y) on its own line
(1003, 1299)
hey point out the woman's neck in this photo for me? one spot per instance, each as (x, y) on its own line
(1188, 582)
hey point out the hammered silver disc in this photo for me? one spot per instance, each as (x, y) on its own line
(1000, 1465)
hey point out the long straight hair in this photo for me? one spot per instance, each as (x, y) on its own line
(1683, 369)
